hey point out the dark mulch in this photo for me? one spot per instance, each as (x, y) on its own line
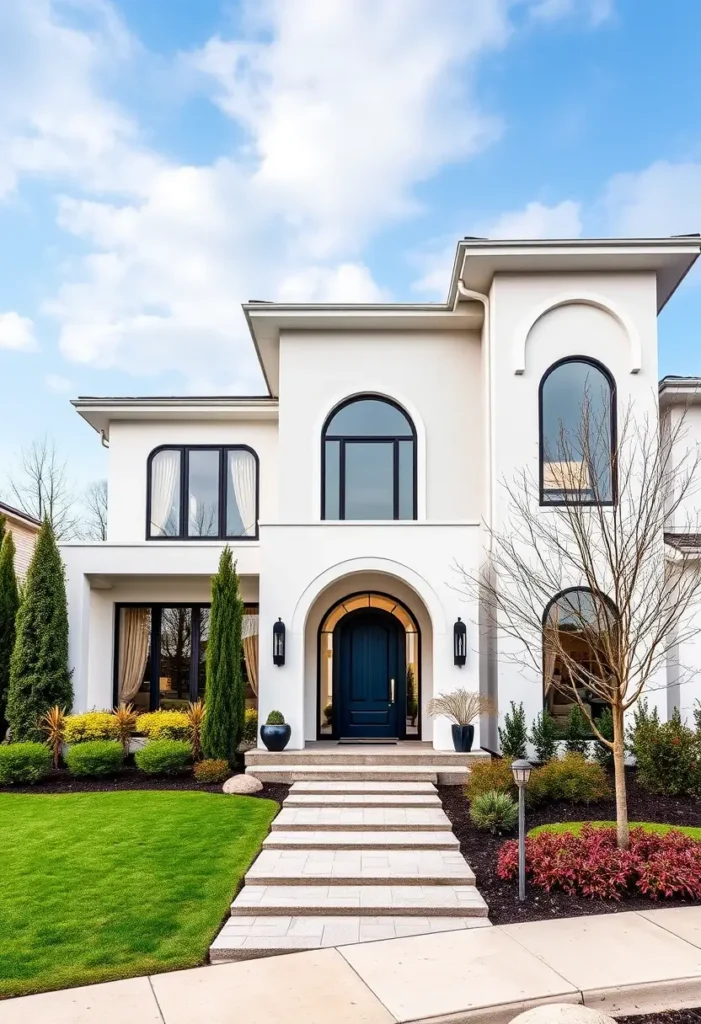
(668, 1017)
(480, 850)
(131, 778)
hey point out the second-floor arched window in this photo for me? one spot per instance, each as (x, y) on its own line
(368, 461)
(201, 492)
(577, 433)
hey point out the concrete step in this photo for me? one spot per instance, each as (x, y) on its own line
(244, 938)
(445, 774)
(371, 840)
(424, 788)
(374, 755)
(363, 800)
(360, 867)
(350, 900)
(353, 819)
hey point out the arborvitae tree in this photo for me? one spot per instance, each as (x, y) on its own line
(602, 753)
(3, 526)
(544, 736)
(514, 736)
(575, 736)
(9, 604)
(39, 674)
(224, 699)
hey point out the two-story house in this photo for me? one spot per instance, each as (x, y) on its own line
(349, 492)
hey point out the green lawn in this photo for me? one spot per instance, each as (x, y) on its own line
(97, 886)
(576, 827)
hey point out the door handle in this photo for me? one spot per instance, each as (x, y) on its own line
(391, 690)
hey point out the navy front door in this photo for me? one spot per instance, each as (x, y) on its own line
(370, 664)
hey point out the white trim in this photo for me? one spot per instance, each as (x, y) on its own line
(568, 299)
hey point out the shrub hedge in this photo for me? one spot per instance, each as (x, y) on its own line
(24, 763)
(571, 778)
(164, 725)
(164, 757)
(250, 726)
(93, 725)
(95, 758)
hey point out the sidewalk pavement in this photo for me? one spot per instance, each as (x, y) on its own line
(622, 963)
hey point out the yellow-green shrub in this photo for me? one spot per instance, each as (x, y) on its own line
(489, 777)
(572, 778)
(250, 725)
(164, 725)
(212, 770)
(93, 725)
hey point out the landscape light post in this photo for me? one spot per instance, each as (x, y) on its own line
(522, 772)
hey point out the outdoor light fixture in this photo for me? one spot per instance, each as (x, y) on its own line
(279, 643)
(459, 643)
(521, 770)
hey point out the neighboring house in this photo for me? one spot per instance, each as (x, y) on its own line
(24, 530)
(350, 491)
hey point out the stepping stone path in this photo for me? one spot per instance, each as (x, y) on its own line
(352, 861)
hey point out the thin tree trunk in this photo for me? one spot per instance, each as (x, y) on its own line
(622, 830)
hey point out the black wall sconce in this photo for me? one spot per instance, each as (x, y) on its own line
(459, 643)
(279, 643)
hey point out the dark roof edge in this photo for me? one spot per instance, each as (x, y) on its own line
(11, 510)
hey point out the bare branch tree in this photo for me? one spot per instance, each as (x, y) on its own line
(40, 486)
(94, 526)
(625, 597)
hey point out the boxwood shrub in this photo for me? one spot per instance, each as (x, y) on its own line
(164, 757)
(93, 725)
(24, 762)
(95, 757)
(164, 725)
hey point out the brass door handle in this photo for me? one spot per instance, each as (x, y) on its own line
(391, 689)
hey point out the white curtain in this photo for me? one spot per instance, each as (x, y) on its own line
(165, 471)
(249, 637)
(242, 467)
(134, 637)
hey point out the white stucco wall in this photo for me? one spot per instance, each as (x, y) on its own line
(435, 377)
(622, 337)
(683, 423)
(131, 444)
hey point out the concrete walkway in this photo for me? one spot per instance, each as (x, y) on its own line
(621, 963)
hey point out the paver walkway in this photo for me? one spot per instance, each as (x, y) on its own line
(623, 963)
(350, 862)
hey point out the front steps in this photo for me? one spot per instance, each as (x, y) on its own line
(342, 869)
(407, 762)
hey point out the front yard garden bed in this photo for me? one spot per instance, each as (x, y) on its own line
(103, 885)
(481, 849)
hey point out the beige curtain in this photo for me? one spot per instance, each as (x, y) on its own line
(134, 636)
(249, 636)
(549, 647)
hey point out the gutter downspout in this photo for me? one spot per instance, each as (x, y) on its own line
(467, 293)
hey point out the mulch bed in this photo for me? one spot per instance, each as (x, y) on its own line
(480, 850)
(131, 778)
(667, 1017)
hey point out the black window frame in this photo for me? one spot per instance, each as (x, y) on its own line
(344, 439)
(156, 610)
(184, 450)
(546, 502)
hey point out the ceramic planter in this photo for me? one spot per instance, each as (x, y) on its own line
(463, 735)
(275, 737)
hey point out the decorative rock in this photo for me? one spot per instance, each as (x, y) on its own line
(563, 1013)
(244, 785)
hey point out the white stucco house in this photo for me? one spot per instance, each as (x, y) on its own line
(351, 489)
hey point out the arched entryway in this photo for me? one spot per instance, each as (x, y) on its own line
(369, 668)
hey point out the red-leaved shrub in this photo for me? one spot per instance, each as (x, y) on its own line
(589, 864)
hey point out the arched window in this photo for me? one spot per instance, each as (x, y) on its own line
(200, 492)
(578, 625)
(368, 461)
(577, 434)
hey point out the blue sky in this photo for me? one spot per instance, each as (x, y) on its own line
(163, 160)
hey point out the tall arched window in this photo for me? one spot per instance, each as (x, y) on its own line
(577, 434)
(368, 461)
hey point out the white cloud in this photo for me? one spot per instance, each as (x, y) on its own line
(348, 282)
(17, 332)
(595, 11)
(55, 382)
(539, 221)
(662, 199)
(535, 220)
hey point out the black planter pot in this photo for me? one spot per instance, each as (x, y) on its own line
(275, 737)
(463, 735)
